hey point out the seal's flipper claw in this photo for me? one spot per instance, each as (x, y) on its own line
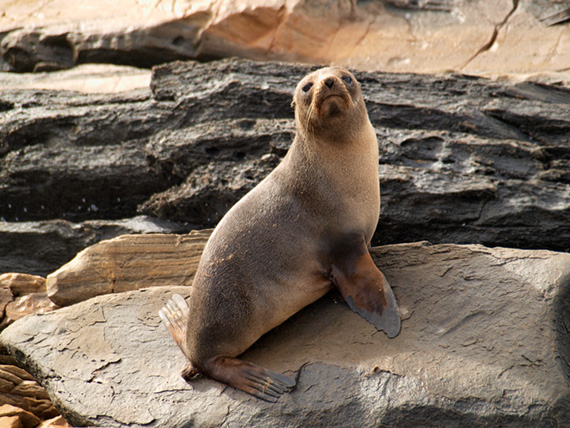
(368, 293)
(248, 377)
(175, 316)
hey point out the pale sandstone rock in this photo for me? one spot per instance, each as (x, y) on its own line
(26, 419)
(22, 294)
(128, 262)
(488, 36)
(538, 48)
(33, 303)
(484, 342)
(22, 283)
(6, 297)
(42, 247)
(10, 422)
(20, 390)
(90, 78)
(57, 422)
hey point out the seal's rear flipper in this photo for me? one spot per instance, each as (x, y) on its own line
(251, 378)
(368, 293)
(175, 316)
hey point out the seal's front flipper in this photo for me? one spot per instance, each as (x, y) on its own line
(175, 316)
(251, 378)
(368, 293)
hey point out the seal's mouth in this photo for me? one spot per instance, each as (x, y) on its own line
(333, 96)
(331, 104)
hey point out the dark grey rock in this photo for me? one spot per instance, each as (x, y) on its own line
(75, 156)
(462, 159)
(41, 247)
(484, 342)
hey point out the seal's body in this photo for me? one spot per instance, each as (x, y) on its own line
(304, 229)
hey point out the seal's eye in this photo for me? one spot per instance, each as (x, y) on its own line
(307, 87)
(347, 80)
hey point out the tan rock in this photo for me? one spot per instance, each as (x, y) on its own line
(27, 419)
(36, 13)
(9, 377)
(20, 295)
(128, 262)
(19, 389)
(90, 78)
(538, 48)
(57, 422)
(35, 303)
(30, 388)
(489, 36)
(42, 408)
(16, 371)
(23, 283)
(6, 297)
(10, 422)
(6, 385)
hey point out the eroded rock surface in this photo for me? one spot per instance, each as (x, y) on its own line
(21, 397)
(128, 262)
(505, 36)
(43, 246)
(484, 341)
(88, 78)
(20, 295)
(462, 159)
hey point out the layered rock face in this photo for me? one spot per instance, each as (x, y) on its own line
(462, 159)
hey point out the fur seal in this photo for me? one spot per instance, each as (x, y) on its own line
(304, 229)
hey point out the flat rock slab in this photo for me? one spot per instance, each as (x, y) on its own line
(484, 342)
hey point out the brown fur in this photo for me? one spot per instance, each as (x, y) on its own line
(275, 251)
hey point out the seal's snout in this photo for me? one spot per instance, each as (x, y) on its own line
(329, 82)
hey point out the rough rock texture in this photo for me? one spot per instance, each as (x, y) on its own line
(42, 247)
(21, 284)
(483, 36)
(57, 422)
(24, 403)
(11, 416)
(128, 262)
(484, 342)
(14, 417)
(462, 159)
(20, 295)
(19, 392)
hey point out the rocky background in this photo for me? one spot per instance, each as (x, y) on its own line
(474, 138)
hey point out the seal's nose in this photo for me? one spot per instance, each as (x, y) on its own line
(329, 82)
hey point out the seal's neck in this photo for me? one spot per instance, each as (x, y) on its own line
(354, 150)
(339, 178)
(350, 166)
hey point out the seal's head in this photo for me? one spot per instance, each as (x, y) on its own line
(326, 101)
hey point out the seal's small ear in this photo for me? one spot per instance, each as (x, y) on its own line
(293, 103)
